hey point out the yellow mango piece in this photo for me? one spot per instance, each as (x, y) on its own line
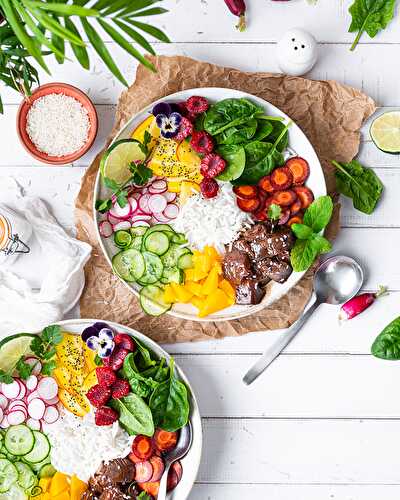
(59, 483)
(211, 282)
(62, 496)
(203, 263)
(212, 253)
(215, 302)
(62, 376)
(44, 483)
(194, 288)
(89, 356)
(78, 487)
(70, 353)
(45, 496)
(187, 190)
(197, 302)
(169, 296)
(149, 125)
(174, 187)
(181, 294)
(90, 381)
(75, 403)
(227, 288)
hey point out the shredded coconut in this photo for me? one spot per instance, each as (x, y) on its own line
(57, 124)
(215, 222)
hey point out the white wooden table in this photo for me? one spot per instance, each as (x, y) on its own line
(323, 422)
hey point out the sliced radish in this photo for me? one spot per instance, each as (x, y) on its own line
(121, 212)
(140, 223)
(157, 203)
(112, 220)
(51, 415)
(133, 203)
(144, 203)
(16, 417)
(47, 388)
(122, 226)
(1, 414)
(17, 405)
(12, 390)
(143, 472)
(161, 218)
(22, 389)
(52, 401)
(35, 364)
(171, 211)
(32, 395)
(36, 408)
(141, 217)
(31, 382)
(34, 424)
(106, 229)
(158, 187)
(4, 423)
(3, 402)
(170, 197)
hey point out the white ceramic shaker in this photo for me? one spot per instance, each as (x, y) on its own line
(296, 52)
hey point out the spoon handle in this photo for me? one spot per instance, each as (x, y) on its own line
(162, 491)
(268, 357)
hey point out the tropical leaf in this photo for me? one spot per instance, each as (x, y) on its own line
(62, 9)
(151, 30)
(137, 37)
(79, 51)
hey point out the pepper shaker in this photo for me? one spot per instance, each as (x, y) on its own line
(15, 232)
(296, 52)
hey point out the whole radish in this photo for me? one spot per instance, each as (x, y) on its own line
(358, 304)
(238, 8)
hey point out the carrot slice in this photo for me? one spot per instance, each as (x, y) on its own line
(164, 440)
(260, 216)
(305, 195)
(246, 192)
(158, 468)
(295, 220)
(150, 488)
(300, 170)
(295, 207)
(250, 205)
(284, 198)
(265, 184)
(281, 178)
(142, 447)
(133, 458)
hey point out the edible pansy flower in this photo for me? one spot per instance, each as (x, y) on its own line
(103, 343)
(93, 330)
(169, 125)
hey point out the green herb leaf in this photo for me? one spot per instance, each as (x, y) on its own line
(6, 378)
(302, 231)
(48, 367)
(319, 213)
(143, 496)
(24, 369)
(387, 343)
(305, 252)
(274, 212)
(235, 158)
(134, 415)
(111, 184)
(359, 183)
(103, 206)
(52, 334)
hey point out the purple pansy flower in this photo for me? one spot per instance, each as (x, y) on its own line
(169, 125)
(100, 338)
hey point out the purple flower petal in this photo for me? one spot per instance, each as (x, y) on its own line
(106, 350)
(175, 119)
(90, 331)
(161, 121)
(168, 134)
(106, 334)
(99, 326)
(162, 108)
(92, 343)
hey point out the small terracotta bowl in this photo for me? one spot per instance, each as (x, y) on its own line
(56, 88)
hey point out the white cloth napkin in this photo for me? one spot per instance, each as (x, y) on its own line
(21, 308)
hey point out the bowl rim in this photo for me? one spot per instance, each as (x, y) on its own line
(86, 102)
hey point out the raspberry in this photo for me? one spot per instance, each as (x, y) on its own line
(185, 129)
(181, 108)
(105, 416)
(120, 389)
(202, 142)
(116, 359)
(209, 188)
(212, 165)
(98, 395)
(105, 376)
(125, 341)
(196, 105)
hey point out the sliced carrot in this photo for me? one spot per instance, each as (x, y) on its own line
(284, 198)
(295, 220)
(250, 205)
(281, 178)
(260, 215)
(300, 170)
(305, 195)
(295, 207)
(164, 440)
(265, 184)
(246, 192)
(142, 447)
(158, 468)
(150, 488)
(133, 458)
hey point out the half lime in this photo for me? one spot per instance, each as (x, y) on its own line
(116, 160)
(385, 132)
(12, 348)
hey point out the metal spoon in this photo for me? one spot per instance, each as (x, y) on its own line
(336, 281)
(182, 447)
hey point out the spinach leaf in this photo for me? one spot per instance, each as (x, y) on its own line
(387, 343)
(169, 403)
(306, 251)
(261, 159)
(134, 415)
(370, 16)
(239, 134)
(264, 128)
(143, 357)
(279, 131)
(359, 183)
(319, 213)
(140, 385)
(159, 373)
(235, 157)
(229, 113)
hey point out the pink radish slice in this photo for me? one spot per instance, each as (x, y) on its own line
(1, 414)
(158, 187)
(3, 402)
(36, 408)
(35, 363)
(140, 223)
(143, 203)
(170, 197)
(52, 401)
(16, 417)
(141, 217)
(51, 415)
(121, 212)
(12, 390)
(32, 395)
(5, 423)
(112, 220)
(47, 388)
(106, 229)
(22, 389)
(171, 211)
(157, 203)
(122, 226)
(34, 424)
(161, 218)
(17, 404)
(133, 203)
(31, 382)
(144, 471)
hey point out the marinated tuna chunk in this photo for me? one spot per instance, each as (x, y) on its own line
(249, 292)
(236, 266)
(272, 269)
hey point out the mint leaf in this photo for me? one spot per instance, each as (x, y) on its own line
(302, 231)
(274, 212)
(321, 244)
(303, 255)
(24, 369)
(319, 213)
(6, 378)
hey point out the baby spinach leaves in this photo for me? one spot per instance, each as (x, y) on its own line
(235, 157)
(238, 134)
(140, 385)
(370, 16)
(309, 243)
(359, 183)
(230, 113)
(134, 415)
(387, 343)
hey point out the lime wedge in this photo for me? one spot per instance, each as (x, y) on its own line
(116, 160)
(12, 348)
(385, 132)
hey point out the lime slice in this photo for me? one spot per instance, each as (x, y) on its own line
(385, 132)
(12, 348)
(116, 160)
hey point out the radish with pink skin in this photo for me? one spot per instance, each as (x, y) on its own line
(238, 8)
(358, 304)
(51, 415)
(35, 364)
(47, 388)
(5, 423)
(31, 382)
(16, 417)
(34, 424)
(12, 390)
(36, 408)
(3, 402)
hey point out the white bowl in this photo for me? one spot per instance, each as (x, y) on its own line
(298, 142)
(191, 461)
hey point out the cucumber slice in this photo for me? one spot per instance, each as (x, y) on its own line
(138, 230)
(14, 493)
(157, 242)
(19, 440)
(172, 275)
(154, 269)
(179, 239)
(122, 239)
(47, 471)
(160, 227)
(129, 264)
(26, 476)
(40, 450)
(185, 261)
(170, 258)
(36, 467)
(137, 243)
(8, 475)
(152, 300)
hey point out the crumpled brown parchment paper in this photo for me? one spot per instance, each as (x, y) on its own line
(329, 113)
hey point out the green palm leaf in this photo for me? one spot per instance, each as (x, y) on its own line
(151, 30)
(150, 12)
(79, 51)
(135, 36)
(138, 5)
(63, 9)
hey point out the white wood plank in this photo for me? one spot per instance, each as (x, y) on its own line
(300, 452)
(295, 386)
